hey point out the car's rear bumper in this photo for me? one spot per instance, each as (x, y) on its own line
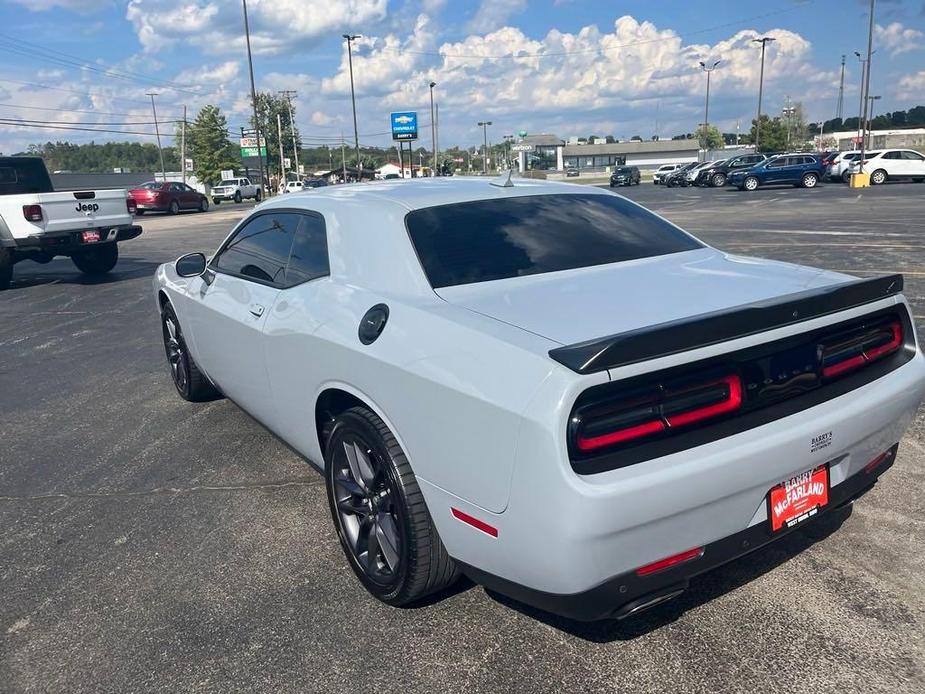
(629, 593)
(65, 242)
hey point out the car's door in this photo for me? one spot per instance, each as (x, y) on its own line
(231, 303)
(189, 195)
(914, 162)
(892, 162)
(297, 358)
(776, 170)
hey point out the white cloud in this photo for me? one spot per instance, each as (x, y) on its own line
(492, 14)
(912, 86)
(898, 39)
(215, 26)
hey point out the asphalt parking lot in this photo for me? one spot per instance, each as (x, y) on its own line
(151, 544)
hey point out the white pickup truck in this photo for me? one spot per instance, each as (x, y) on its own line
(38, 224)
(236, 189)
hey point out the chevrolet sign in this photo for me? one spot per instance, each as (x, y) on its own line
(404, 125)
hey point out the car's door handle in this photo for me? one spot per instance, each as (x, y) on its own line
(256, 309)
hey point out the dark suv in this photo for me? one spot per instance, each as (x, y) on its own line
(716, 175)
(624, 176)
(786, 169)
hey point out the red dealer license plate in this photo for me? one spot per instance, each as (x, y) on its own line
(798, 499)
(91, 236)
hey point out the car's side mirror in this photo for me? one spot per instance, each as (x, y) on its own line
(191, 265)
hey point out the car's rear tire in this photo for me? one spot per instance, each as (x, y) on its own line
(203, 205)
(258, 196)
(878, 177)
(718, 180)
(216, 202)
(190, 382)
(6, 268)
(139, 213)
(750, 183)
(379, 513)
(96, 260)
(237, 196)
(809, 180)
(174, 207)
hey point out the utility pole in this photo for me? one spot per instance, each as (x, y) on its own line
(839, 108)
(158, 133)
(288, 93)
(264, 173)
(788, 112)
(282, 163)
(183, 144)
(484, 126)
(870, 119)
(433, 128)
(356, 137)
(437, 131)
(863, 62)
(764, 41)
(870, 51)
(343, 157)
(706, 113)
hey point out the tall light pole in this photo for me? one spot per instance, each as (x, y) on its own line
(484, 126)
(433, 128)
(870, 52)
(356, 136)
(840, 106)
(288, 93)
(706, 113)
(158, 133)
(788, 112)
(264, 174)
(764, 41)
(863, 61)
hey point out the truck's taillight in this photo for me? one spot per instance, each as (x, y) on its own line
(32, 213)
(852, 351)
(659, 410)
(131, 206)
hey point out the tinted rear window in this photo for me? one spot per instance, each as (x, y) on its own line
(23, 175)
(496, 239)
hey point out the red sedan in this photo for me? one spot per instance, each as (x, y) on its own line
(171, 197)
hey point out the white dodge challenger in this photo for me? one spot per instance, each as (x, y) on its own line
(543, 386)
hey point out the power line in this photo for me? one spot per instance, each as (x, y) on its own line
(71, 110)
(73, 91)
(82, 129)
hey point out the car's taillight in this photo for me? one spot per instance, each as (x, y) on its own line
(850, 352)
(660, 409)
(32, 213)
(668, 562)
(131, 206)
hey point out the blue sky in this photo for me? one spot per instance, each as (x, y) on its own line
(572, 67)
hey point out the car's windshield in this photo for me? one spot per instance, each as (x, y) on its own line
(488, 240)
(622, 170)
(228, 183)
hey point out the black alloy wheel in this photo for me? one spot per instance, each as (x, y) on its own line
(379, 513)
(189, 381)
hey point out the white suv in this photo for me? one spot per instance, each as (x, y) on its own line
(892, 164)
(663, 171)
(838, 168)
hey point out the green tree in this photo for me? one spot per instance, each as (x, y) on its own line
(268, 107)
(208, 146)
(710, 137)
(773, 135)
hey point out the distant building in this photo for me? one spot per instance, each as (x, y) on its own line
(550, 153)
(909, 138)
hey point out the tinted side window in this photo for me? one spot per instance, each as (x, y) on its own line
(913, 156)
(308, 259)
(487, 240)
(260, 249)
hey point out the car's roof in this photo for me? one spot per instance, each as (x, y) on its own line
(417, 193)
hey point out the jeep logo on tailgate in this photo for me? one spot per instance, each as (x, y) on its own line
(83, 207)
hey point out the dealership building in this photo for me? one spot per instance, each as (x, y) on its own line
(547, 152)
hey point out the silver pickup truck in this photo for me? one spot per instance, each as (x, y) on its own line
(39, 224)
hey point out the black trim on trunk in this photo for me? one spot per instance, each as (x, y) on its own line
(623, 595)
(707, 329)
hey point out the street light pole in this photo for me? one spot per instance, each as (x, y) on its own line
(870, 51)
(764, 41)
(863, 62)
(706, 112)
(870, 119)
(484, 126)
(157, 132)
(356, 136)
(433, 128)
(264, 174)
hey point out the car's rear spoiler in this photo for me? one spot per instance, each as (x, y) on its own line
(721, 326)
